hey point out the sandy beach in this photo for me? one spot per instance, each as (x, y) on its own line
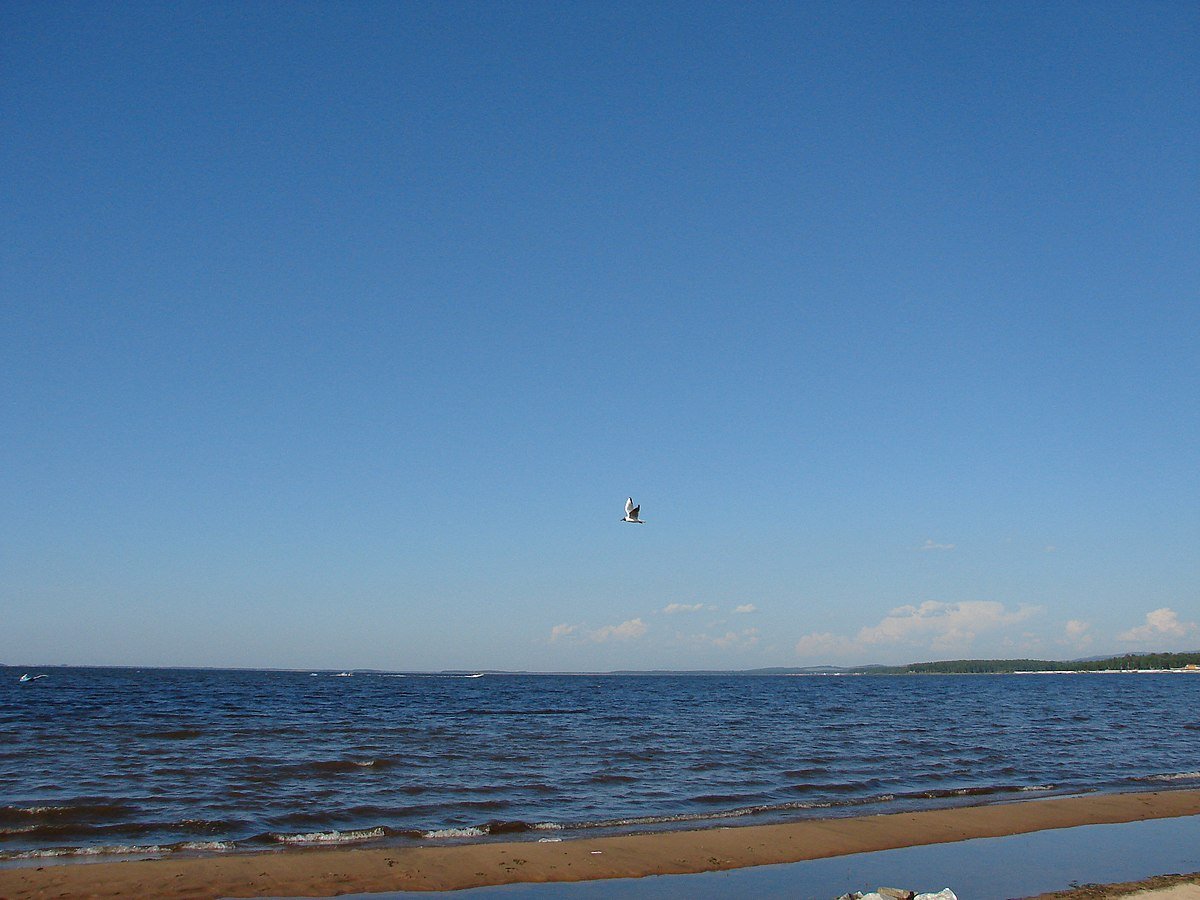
(324, 873)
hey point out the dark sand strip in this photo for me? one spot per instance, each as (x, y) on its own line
(324, 872)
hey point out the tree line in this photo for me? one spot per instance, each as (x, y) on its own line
(1126, 663)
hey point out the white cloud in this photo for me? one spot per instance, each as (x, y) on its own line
(741, 640)
(562, 631)
(826, 643)
(932, 545)
(1076, 629)
(745, 608)
(746, 638)
(672, 608)
(1077, 634)
(941, 626)
(932, 626)
(634, 628)
(1159, 624)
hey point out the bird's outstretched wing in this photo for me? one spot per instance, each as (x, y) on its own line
(633, 513)
(630, 508)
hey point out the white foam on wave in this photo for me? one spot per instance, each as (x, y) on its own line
(330, 837)
(454, 833)
(114, 849)
(547, 826)
(1173, 776)
(206, 846)
(1038, 787)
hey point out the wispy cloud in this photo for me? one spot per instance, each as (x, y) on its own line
(1077, 633)
(1159, 624)
(673, 608)
(941, 625)
(826, 644)
(933, 545)
(931, 625)
(735, 640)
(626, 631)
(745, 608)
(747, 637)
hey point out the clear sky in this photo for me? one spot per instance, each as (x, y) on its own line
(336, 334)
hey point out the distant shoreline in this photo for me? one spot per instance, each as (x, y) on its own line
(1133, 663)
(325, 872)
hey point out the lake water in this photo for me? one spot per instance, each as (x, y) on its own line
(98, 761)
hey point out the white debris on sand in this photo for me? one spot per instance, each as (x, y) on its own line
(887, 893)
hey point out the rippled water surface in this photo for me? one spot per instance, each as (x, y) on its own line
(122, 760)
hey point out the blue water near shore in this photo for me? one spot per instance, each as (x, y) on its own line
(99, 761)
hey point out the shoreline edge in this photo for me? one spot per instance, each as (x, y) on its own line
(325, 872)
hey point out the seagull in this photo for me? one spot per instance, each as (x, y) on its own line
(631, 512)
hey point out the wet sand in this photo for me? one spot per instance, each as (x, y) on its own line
(1162, 887)
(328, 872)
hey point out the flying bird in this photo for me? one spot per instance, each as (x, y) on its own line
(631, 512)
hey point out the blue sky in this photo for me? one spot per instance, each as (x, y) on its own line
(335, 335)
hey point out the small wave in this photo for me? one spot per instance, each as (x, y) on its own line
(273, 774)
(714, 815)
(720, 798)
(838, 787)
(114, 849)
(982, 791)
(345, 765)
(513, 827)
(206, 846)
(487, 829)
(806, 773)
(121, 850)
(92, 830)
(332, 837)
(548, 711)
(454, 833)
(733, 813)
(179, 734)
(84, 811)
(1170, 776)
